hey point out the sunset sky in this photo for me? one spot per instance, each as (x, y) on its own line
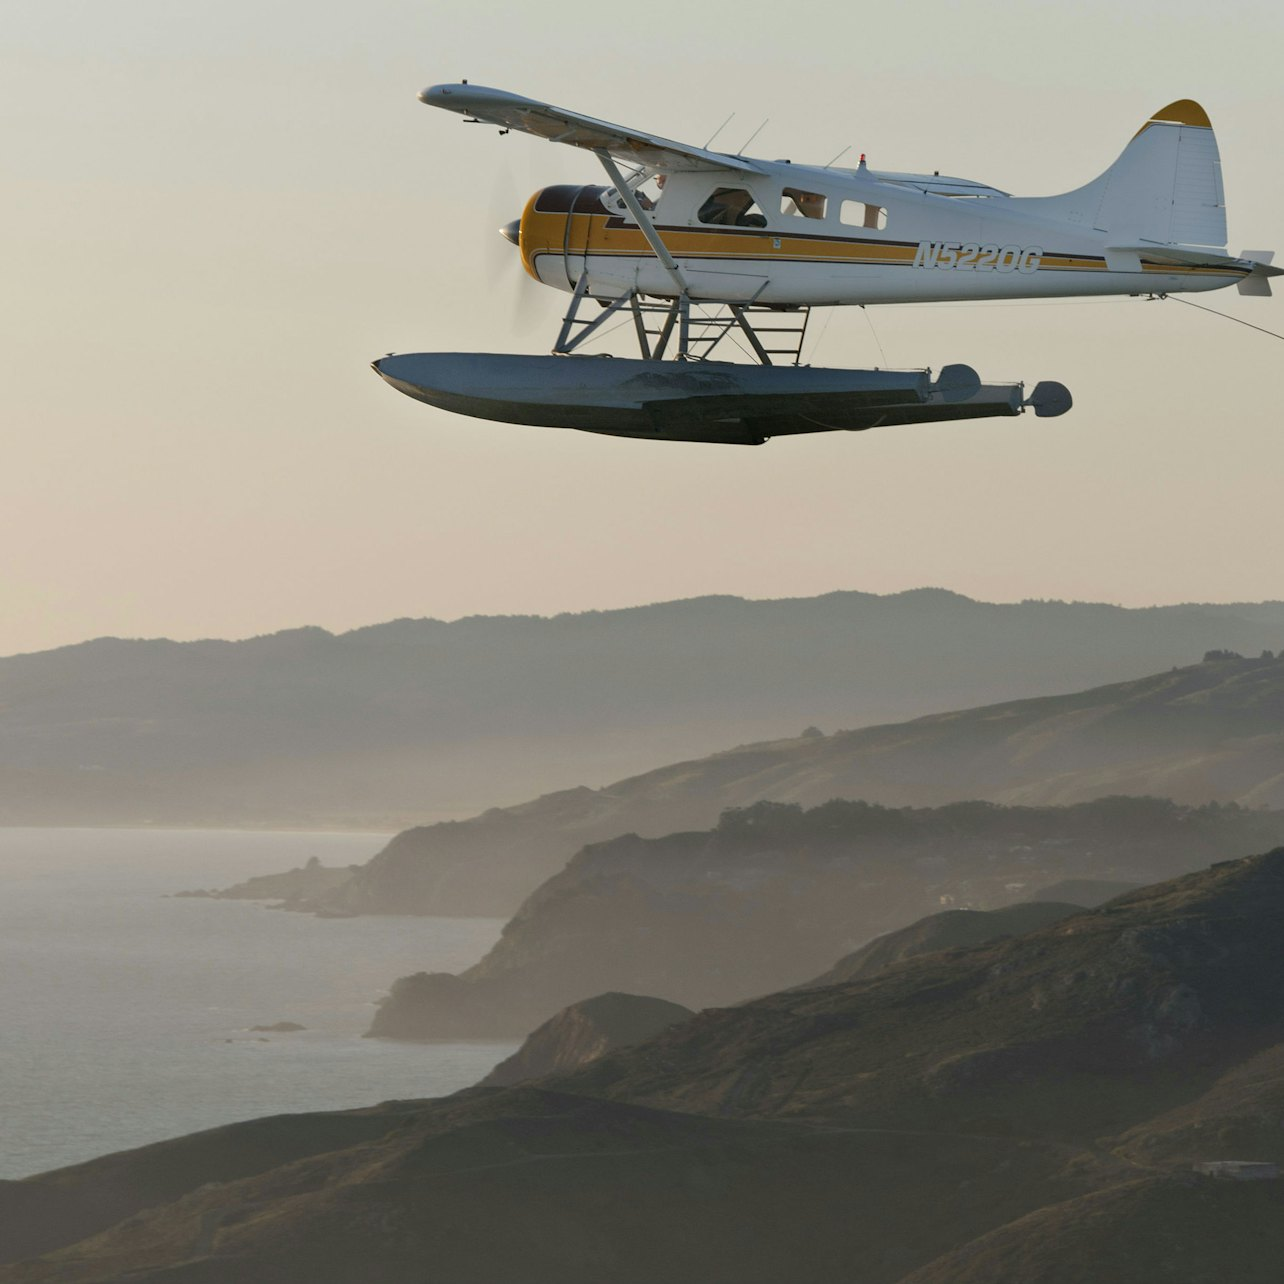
(218, 213)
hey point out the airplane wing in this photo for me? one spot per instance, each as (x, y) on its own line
(512, 111)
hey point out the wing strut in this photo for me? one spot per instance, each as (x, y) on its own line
(629, 197)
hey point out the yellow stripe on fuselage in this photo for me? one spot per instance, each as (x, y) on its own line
(579, 234)
(609, 236)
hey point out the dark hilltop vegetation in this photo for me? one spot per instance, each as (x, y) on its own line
(388, 725)
(775, 894)
(1212, 731)
(1029, 1109)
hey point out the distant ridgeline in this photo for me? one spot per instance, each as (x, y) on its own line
(1215, 657)
(1211, 731)
(776, 894)
(418, 719)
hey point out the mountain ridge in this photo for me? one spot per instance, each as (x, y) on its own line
(1210, 731)
(399, 721)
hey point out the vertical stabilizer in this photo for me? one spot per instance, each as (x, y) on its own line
(1165, 188)
(1258, 281)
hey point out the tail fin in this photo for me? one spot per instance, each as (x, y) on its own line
(1165, 188)
(1258, 281)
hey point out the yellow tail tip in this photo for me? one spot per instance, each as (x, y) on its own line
(1185, 111)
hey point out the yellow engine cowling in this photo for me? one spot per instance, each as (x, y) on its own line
(565, 220)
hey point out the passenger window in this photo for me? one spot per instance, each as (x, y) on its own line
(795, 201)
(858, 214)
(732, 207)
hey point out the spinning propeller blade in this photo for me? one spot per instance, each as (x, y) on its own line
(504, 270)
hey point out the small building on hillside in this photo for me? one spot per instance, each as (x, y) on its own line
(1239, 1169)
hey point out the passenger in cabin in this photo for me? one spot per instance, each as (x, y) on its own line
(731, 207)
(723, 206)
(808, 204)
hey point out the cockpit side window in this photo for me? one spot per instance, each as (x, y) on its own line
(793, 200)
(651, 190)
(732, 207)
(648, 188)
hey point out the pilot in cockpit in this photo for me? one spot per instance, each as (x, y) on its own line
(650, 202)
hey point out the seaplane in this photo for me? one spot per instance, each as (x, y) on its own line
(708, 251)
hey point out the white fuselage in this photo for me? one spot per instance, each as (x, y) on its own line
(871, 239)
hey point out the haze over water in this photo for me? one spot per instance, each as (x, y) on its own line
(126, 1014)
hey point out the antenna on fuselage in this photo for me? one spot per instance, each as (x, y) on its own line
(840, 154)
(719, 130)
(752, 136)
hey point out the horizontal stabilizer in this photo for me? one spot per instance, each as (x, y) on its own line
(1253, 267)
(1182, 256)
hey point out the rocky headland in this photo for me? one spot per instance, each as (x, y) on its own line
(775, 894)
(293, 888)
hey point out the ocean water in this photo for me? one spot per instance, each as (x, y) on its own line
(125, 1013)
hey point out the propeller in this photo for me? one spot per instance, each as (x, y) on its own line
(506, 276)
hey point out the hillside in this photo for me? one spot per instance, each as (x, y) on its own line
(418, 719)
(583, 1032)
(774, 894)
(1207, 732)
(801, 1136)
(949, 930)
(1176, 1229)
(1159, 991)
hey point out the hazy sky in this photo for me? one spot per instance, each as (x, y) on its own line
(218, 212)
